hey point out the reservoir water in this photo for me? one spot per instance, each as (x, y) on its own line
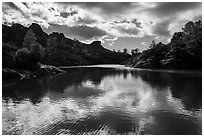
(108, 99)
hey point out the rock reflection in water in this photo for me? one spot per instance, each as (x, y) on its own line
(97, 100)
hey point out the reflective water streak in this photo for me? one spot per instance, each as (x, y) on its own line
(104, 100)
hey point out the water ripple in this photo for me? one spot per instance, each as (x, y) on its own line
(104, 101)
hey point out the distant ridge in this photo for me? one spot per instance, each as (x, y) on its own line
(60, 50)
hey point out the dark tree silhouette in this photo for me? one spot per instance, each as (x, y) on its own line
(125, 51)
(152, 44)
(135, 51)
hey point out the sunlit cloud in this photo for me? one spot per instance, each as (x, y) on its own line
(135, 20)
(144, 43)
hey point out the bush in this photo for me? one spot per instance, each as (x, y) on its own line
(37, 51)
(21, 52)
(8, 60)
(29, 56)
(25, 59)
(36, 48)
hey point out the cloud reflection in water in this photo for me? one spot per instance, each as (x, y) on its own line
(118, 103)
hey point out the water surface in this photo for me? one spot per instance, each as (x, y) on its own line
(104, 100)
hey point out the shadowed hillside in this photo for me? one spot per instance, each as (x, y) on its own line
(183, 52)
(59, 50)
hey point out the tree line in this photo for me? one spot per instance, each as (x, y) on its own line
(192, 31)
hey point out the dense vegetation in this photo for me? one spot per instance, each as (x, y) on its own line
(183, 52)
(59, 50)
(26, 49)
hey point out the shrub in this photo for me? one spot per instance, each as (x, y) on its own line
(37, 51)
(25, 59)
(29, 56)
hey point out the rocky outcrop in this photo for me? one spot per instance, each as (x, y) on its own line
(59, 51)
(8, 73)
(14, 34)
(62, 51)
(39, 34)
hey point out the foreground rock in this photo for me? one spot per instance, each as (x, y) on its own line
(8, 73)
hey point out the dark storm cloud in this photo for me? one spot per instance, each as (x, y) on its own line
(161, 29)
(104, 7)
(169, 11)
(129, 31)
(87, 32)
(86, 20)
(84, 32)
(199, 17)
(110, 7)
(12, 6)
(170, 8)
(137, 23)
(134, 21)
(67, 14)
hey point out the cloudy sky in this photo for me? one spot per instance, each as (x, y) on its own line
(117, 25)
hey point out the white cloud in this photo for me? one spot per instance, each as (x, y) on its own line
(144, 43)
(109, 40)
(153, 18)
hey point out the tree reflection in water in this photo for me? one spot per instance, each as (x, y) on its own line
(107, 100)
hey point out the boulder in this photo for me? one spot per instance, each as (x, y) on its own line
(48, 69)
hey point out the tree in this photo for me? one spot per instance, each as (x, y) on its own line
(22, 51)
(135, 51)
(177, 37)
(193, 30)
(152, 45)
(188, 29)
(37, 50)
(198, 30)
(125, 51)
(29, 38)
(22, 58)
(34, 47)
(52, 42)
(30, 55)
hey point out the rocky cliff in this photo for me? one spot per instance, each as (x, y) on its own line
(59, 50)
